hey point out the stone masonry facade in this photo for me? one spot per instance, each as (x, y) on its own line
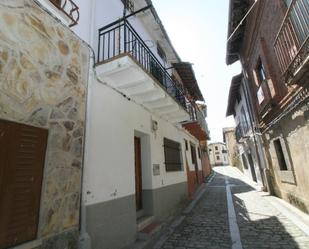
(43, 81)
(292, 129)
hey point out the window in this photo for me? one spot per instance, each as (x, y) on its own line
(172, 154)
(243, 121)
(218, 157)
(161, 52)
(56, 2)
(260, 70)
(238, 97)
(216, 147)
(186, 144)
(288, 2)
(21, 175)
(128, 4)
(244, 161)
(199, 152)
(280, 155)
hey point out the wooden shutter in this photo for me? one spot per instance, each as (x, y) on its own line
(172, 155)
(56, 2)
(22, 155)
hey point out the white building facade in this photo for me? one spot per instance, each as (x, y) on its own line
(136, 157)
(238, 106)
(218, 154)
(118, 122)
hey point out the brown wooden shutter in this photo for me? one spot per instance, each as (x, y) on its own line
(172, 155)
(56, 2)
(22, 155)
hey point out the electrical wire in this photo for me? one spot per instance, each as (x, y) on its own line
(242, 20)
(300, 98)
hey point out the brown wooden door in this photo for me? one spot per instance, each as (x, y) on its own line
(22, 155)
(194, 161)
(138, 173)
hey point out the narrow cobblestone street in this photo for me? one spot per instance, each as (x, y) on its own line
(210, 223)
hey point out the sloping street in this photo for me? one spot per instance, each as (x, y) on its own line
(212, 224)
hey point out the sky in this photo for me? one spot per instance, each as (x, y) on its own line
(198, 31)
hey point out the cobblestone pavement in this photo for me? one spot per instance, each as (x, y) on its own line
(260, 224)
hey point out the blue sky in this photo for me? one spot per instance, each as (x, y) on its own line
(198, 31)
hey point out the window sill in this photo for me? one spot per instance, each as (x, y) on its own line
(287, 176)
(29, 245)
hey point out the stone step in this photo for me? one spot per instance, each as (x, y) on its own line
(144, 222)
(149, 231)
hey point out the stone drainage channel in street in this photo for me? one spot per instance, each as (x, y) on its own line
(230, 213)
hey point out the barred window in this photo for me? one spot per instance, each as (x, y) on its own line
(172, 154)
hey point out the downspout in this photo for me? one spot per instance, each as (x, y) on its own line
(85, 240)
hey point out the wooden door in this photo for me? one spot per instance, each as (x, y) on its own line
(251, 164)
(138, 173)
(194, 161)
(22, 155)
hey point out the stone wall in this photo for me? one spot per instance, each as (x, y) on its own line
(292, 185)
(43, 80)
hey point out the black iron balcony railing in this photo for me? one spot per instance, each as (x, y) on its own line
(69, 9)
(120, 38)
(292, 42)
(197, 115)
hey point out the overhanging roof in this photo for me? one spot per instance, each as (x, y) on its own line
(234, 91)
(237, 11)
(186, 73)
(158, 20)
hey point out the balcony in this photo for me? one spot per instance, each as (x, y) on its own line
(197, 125)
(69, 10)
(292, 42)
(126, 63)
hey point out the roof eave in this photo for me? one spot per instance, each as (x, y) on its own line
(234, 87)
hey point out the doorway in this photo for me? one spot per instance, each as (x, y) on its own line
(138, 174)
(251, 164)
(194, 161)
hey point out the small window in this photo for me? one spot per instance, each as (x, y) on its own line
(260, 70)
(280, 156)
(218, 157)
(216, 147)
(172, 153)
(56, 2)
(288, 2)
(161, 52)
(186, 145)
(128, 4)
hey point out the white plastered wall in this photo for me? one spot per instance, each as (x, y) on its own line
(113, 121)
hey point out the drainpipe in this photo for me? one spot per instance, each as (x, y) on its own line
(84, 238)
